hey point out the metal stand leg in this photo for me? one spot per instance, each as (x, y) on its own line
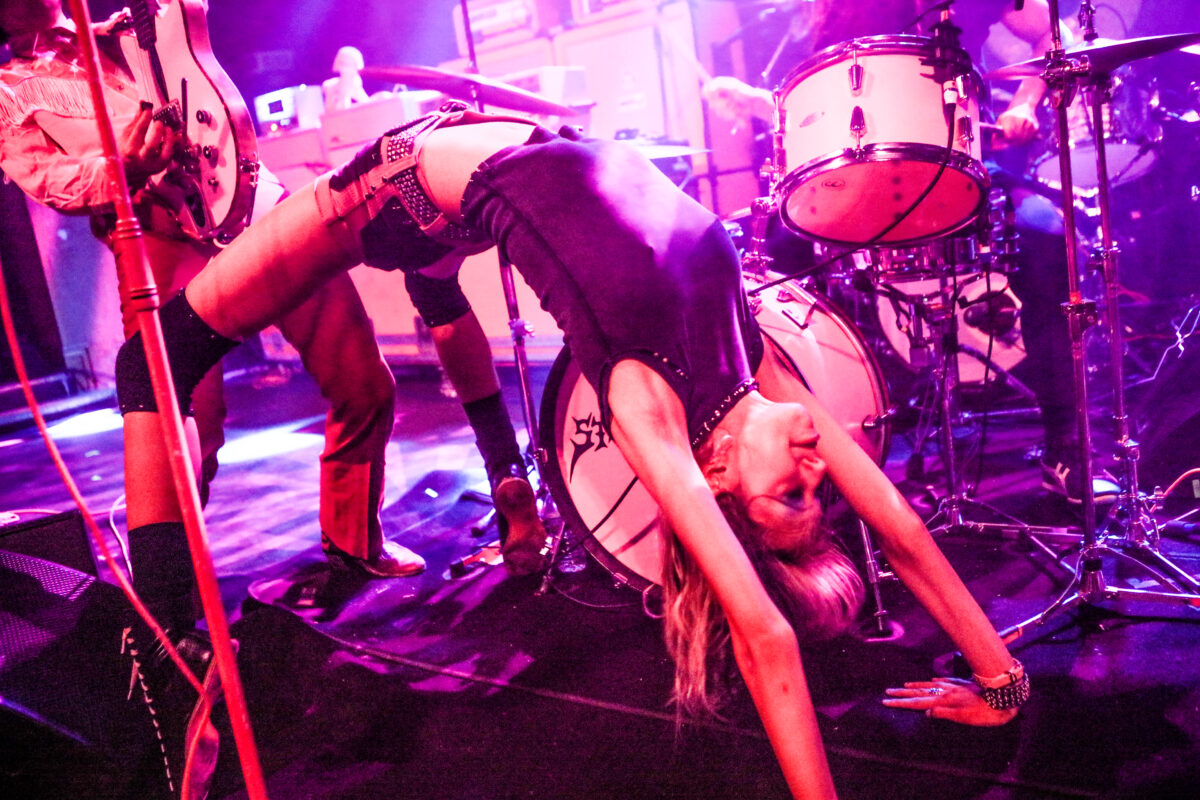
(564, 560)
(1130, 535)
(881, 627)
(935, 324)
(535, 456)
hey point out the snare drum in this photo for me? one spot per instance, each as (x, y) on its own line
(990, 244)
(596, 490)
(864, 132)
(950, 256)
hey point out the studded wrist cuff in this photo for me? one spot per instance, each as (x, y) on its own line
(1006, 697)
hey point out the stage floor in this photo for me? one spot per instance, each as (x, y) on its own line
(484, 686)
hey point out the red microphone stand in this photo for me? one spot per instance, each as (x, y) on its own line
(130, 252)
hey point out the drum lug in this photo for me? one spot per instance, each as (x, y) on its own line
(858, 125)
(879, 420)
(966, 132)
(856, 77)
(756, 259)
(775, 167)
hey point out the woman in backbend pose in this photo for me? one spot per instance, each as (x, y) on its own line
(646, 287)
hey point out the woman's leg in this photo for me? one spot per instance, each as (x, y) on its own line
(149, 491)
(466, 356)
(270, 269)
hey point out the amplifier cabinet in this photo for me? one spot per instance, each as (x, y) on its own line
(499, 23)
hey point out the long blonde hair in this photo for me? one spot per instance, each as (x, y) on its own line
(808, 577)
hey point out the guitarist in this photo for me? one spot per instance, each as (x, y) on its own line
(49, 146)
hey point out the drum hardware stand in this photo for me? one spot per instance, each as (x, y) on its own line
(937, 311)
(1130, 532)
(881, 626)
(535, 456)
(950, 514)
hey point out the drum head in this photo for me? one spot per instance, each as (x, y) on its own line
(597, 492)
(988, 323)
(1125, 161)
(854, 200)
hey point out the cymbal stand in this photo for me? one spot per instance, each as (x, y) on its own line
(1130, 533)
(934, 324)
(535, 456)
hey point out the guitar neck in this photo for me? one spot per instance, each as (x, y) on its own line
(142, 13)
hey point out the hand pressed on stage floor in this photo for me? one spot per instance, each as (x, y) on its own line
(948, 698)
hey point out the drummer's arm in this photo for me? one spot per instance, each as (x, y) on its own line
(1031, 24)
(731, 98)
(903, 537)
(649, 427)
(1019, 121)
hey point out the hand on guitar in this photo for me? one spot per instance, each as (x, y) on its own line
(147, 146)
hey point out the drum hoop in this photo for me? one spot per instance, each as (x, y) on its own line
(556, 483)
(888, 151)
(891, 44)
(927, 153)
(1146, 159)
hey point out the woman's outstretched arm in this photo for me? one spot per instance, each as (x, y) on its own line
(909, 548)
(650, 428)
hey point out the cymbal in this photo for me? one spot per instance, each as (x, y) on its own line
(469, 87)
(1103, 55)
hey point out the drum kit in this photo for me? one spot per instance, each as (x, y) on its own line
(877, 160)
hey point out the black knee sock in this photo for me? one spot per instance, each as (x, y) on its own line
(162, 573)
(192, 346)
(494, 435)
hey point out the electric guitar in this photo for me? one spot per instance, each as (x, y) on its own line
(214, 173)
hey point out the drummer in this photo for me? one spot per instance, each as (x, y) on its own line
(993, 30)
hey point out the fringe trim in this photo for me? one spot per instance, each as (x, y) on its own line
(65, 97)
